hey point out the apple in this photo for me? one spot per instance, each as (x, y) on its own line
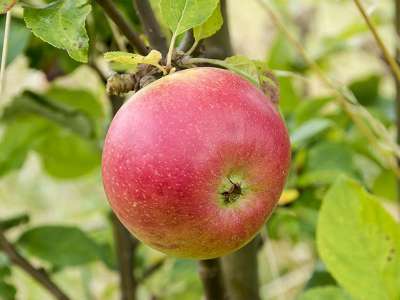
(194, 163)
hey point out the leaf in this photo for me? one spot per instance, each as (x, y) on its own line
(366, 90)
(182, 15)
(40, 105)
(62, 246)
(209, 27)
(288, 196)
(153, 58)
(244, 67)
(18, 39)
(309, 108)
(385, 185)
(6, 5)
(325, 293)
(65, 155)
(309, 130)
(320, 277)
(18, 138)
(7, 291)
(62, 24)
(359, 242)
(326, 161)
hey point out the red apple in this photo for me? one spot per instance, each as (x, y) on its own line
(194, 163)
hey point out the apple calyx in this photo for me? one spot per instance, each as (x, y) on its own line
(232, 190)
(233, 194)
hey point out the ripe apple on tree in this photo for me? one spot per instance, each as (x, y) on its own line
(194, 163)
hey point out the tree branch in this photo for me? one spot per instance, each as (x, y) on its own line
(125, 249)
(211, 276)
(151, 270)
(123, 25)
(38, 274)
(386, 54)
(151, 26)
(241, 272)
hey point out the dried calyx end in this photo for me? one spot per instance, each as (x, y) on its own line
(233, 194)
(232, 190)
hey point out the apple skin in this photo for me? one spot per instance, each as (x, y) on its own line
(175, 151)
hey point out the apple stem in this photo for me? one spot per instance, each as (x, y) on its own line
(5, 52)
(171, 51)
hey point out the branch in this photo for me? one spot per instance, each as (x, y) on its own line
(211, 276)
(151, 270)
(386, 54)
(123, 25)
(14, 221)
(151, 26)
(38, 274)
(241, 272)
(125, 249)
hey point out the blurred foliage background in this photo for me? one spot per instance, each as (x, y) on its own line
(55, 113)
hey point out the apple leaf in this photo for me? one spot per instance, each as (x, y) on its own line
(125, 58)
(182, 15)
(209, 27)
(65, 155)
(244, 67)
(7, 291)
(359, 242)
(61, 246)
(6, 5)
(326, 293)
(62, 24)
(309, 130)
(17, 139)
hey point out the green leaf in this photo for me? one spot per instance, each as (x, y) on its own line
(18, 39)
(65, 155)
(8, 223)
(210, 27)
(18, 138)
(325, 293)
(7, 291)
(326, 161)
(320, 277)
(6, 5)
(309, 130)
(359, 242)
(309, 108)
(124, 58)
(182, 15)
(244, 67)
(366, 90)
(385, 185)
(281, 55)
(59, 113)
(62, 246)
(62, 24)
